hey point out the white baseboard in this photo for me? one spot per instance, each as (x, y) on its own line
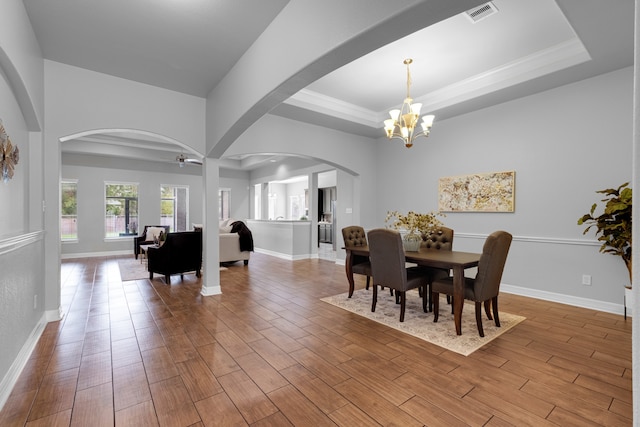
(10, 379)
(96, 254)
(281, 255)
(607, 307)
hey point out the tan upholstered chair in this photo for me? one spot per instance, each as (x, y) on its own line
(485, 287)
(388, 266)
(355, 236)
(440, 239)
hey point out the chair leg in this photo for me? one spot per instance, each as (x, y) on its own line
(479, 318)
(368, 280)
(494, 303)
(167, 279)
(403, 298)
(375, 297)
(487, 309)
(436, 305)
(425, 299)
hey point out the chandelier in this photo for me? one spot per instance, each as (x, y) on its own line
(402, 124)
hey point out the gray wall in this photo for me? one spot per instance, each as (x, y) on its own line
(564, 144)
(91, 178)
(22, 282)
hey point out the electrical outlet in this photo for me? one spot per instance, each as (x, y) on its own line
(586, 279)
(35, 302)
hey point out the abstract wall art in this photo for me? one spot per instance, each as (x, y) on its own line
(481, 192)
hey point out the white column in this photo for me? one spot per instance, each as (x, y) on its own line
(264, 205)
(313, 213)
(211, 236)
(51, 210)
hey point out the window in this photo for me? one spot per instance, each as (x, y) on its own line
(121, 209)
(174, 207)
(69, 210)
(223, 203)
(296, 209)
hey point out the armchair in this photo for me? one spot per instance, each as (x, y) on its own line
(145, 239)
(180, 253)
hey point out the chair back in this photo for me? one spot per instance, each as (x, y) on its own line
(387, 259)
(354, 236)
(491, 265)
(440, 238)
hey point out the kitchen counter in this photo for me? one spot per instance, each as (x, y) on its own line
(285, 238)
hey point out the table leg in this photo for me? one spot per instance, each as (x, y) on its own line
(349, 269)
(458, 297)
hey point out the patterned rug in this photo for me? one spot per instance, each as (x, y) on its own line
(421, 325)
(134, 269)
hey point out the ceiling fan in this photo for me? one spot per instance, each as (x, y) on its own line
(182, 159)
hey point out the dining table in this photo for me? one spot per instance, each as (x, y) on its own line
(456, 261)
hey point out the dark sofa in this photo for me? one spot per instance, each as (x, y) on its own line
(142, 239)
(181, 253)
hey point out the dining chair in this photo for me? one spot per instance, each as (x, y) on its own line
(485, 287)
(355, 236)
(389, 268)
(442, 240)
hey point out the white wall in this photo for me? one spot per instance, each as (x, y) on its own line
(564, 144)
(238, 183)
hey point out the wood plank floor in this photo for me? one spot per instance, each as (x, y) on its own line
(268, 352)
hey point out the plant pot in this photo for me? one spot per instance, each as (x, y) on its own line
(411, 242)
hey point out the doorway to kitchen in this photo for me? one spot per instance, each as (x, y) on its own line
(325, 251)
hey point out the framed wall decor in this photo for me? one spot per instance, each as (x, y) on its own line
(481, 192)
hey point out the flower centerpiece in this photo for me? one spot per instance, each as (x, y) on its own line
(413, 225)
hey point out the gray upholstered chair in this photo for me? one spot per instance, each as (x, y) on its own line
(440, 239)
(485, 287)
(355, 236)
(389, 267)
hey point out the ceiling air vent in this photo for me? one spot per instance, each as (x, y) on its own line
(481, 12)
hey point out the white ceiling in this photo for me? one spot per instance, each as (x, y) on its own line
(189, 45)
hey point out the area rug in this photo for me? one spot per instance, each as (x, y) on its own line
(134, 269)
(421, 325)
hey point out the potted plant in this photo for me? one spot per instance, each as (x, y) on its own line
(413, 225)
(613, 226)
